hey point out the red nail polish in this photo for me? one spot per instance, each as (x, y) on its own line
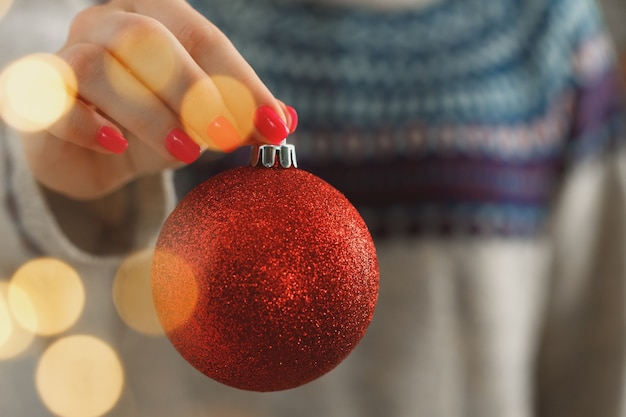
(223, 134)
(111, 140)
(270, 125)
(294, 119)
(181, 146)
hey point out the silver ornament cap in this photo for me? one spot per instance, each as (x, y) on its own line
(265, 155)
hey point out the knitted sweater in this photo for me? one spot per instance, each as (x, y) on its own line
(430, 121)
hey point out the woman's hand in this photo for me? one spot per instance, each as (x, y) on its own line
(156, 83)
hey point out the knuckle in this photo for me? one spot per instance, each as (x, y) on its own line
(198, 39)
(85, 60)
(81, 22)
(76, 125)
(135, 28)
(144, 122)
(141, 42)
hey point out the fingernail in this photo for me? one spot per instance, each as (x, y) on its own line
(223, 134)
(111, 140)
(270, 125)
(293, 123)
(181, 146)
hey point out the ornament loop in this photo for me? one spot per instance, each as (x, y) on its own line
(266, 155)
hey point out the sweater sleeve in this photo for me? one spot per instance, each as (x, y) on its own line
(38, 222)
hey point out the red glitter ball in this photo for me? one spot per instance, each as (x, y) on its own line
(265, 278)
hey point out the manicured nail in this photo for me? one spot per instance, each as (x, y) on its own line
(293, 123)
(270, 125)
(111, 140)
(223, 134)
(181, 146)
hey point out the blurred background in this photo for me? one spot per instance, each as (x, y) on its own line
(49, 327)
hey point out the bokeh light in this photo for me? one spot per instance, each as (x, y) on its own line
(132, 294)
(36, 91)
(224, 134)
(176, 298)
(201, 104)
(148, 54)
(53, 289)
(6, 321)
(220, 110)
(5, 6)
(80, 376)
(15, 339)
(240, 102)
(124, 83)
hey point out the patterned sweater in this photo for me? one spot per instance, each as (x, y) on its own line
(430, 121)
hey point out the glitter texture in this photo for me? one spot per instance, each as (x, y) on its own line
(286, 278)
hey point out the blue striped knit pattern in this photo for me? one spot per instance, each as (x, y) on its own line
(459, 118)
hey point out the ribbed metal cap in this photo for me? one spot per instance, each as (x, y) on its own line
(265, 155)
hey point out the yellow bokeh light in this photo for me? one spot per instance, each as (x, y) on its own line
(220, 110)
(5, 5)
(124, 83)
(201, 104)
(80, 376)
(14, 339)
(36, 91)
(239, 101)
(6, 321)
(55, 291)
(148, 55)
(132, 294)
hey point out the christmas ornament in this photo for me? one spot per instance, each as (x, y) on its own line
(265, 277)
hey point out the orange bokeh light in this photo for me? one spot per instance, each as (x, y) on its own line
(132, 294)
(175, 299)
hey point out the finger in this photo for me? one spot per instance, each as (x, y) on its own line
(291, 116)
(130, 103)
(74, 170)
(82, 125)
(154, 56)
(262, 115)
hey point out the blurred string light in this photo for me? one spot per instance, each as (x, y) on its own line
(15, 339)
(5, 6)
(79, 376)
(132, 294)
(52, 289)
(36, 91)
